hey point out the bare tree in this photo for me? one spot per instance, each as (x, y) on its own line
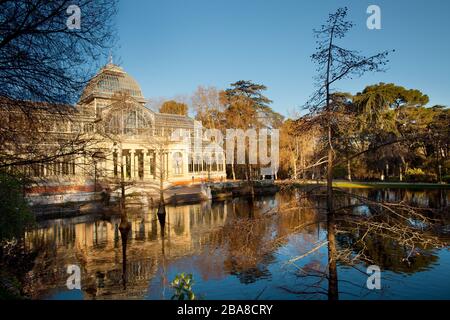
(298, 148)
(44, 65)
(42, 146)
(42, 58)
(161, 144)
(336, 63)
(363, 226)
(208, 107)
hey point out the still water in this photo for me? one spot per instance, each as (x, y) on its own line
(233, 249)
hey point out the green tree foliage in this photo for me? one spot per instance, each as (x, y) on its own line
(15, 215)
(389, 95)
(390, 113)
(242, 106)
(373, 102)
(385, 131)
(251, 94)
(15, 218)
(174, 107)
(246, 107)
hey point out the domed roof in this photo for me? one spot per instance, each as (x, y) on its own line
(110, 80)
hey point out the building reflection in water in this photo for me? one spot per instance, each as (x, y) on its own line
(217, 239)
(99, 249)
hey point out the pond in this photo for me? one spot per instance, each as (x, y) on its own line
(234, 249)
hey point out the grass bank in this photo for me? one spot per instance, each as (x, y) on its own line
(378, 185)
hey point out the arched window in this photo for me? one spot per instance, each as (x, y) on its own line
(133, 121)
(177, 163)
(197, 159)
(214, 162)
(130, 122)
(220, 158)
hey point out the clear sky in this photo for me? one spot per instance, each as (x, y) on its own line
(171, 47)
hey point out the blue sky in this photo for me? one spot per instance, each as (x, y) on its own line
(171, 47)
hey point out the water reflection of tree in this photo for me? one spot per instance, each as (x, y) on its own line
(248, 242)
(124, 228)
(388, 254)
(292, 223)
(396, 236)
(243, 242)
(247, 252)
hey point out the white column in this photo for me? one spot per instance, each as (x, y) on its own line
(109, 165)
(124, 161)
(167, 165)
(133, 167)
(120, 164)
(186, 165)
(152, 162)
(146, 164)
(157, 165)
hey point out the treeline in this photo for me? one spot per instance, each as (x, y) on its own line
(385, 132)
(242, 106)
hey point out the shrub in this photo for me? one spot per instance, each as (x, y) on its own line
(183, 287)
(418, 175)
(15, 215)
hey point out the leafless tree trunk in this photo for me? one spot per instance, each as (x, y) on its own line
(334, 63)
(232, 171)
(349, 170)
(161, 178)
(333, 293)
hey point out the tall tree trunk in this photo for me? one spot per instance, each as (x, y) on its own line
(333, 292)
(124, 229)
(122, 181)
(161, 178)
(330, 145)
(232, 171)
(161, 213)
(349, 170)
(250, 181)
(295, 168)
(330, 174)
(304, 176)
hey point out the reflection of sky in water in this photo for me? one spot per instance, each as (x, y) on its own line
(362, 210)
(417, 224)
(199, 239)
(67, 295)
